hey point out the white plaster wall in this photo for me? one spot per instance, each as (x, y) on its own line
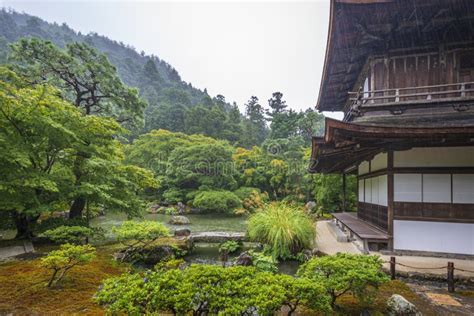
(433, 236)
(361, 191)
(407, 187)
(383, 189)
(368, 190)
(379, 162)
(363, 167)
(435, 157)
(463, 188)
(437, 188)
(375, 190)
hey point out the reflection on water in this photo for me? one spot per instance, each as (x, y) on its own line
(199, 222)
(208, 253)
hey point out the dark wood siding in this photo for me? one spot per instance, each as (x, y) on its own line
(375, 214)
(440, 212)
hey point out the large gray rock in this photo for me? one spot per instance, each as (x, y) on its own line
(397, 305)
(181, 208)
(244, 259)
(182, 232)
(179, 220)
(310, 206)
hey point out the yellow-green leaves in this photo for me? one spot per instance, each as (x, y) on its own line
(64, 259)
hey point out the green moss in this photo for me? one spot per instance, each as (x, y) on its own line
(24, 290)
(350, 306)
(465, 293)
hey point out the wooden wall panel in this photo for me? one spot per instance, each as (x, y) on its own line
(439, 212)
(375, 214)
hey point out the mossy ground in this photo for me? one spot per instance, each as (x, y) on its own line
(23, 287)
(350, 306)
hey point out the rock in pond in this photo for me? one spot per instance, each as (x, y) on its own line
(181, 208)
(182, 232)
(179, 220)
(397, 305)
(244, 259)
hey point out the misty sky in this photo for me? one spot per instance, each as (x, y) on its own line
(236, 49)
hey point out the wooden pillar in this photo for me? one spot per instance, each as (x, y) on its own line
(390, 197)
(344, 190)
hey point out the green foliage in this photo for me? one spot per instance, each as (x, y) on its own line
(208, 165)
(143, 232)
(229, 247)
(359, 275)
(170, 264)
(137, 238)
(302, 292)
(329, 195)
(86, 77)
(69, 234)
(218, 201)
(51, 223)
(44, 139)
(252, 199)
(64, 259)
(174, 195)
(205, 289)
(262, 262)
(285, 229)
(170, 211)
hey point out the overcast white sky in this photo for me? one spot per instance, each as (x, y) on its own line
(236, 49)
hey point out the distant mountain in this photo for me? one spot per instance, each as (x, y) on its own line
(135, 69)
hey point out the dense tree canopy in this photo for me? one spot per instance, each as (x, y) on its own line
(41, 136)
(193, 148)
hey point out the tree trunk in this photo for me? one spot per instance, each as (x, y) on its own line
(77, 208)
(24, 225)
(79, 203)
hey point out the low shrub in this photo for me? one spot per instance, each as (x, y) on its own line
(64, 259)
(360, 275)
(54, 222)
(167, 210)
(229, 247)
(252, 198)
(173, 195)
(211, 290)
(286, 229)
(69, 234)
(263, 262)
(137, 236)
(170, 264)
(216, 201)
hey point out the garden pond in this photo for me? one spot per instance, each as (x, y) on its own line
(206, 253)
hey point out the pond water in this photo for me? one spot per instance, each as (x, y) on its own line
(203, 252)
(198, 222)
(206, 253)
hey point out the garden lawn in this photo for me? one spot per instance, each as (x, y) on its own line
(23, 287)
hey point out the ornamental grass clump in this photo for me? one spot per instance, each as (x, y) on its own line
(285, 229)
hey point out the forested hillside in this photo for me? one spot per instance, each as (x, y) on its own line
(173, 104)
(109, 128)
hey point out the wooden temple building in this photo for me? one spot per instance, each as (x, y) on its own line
(402, 71)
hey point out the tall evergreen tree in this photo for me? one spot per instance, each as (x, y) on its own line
(276, 104)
